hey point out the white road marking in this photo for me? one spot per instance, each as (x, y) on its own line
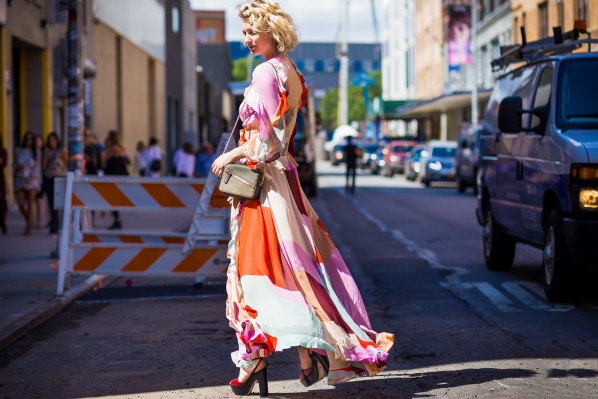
(521, 290)
(496, 297)
(501, 384)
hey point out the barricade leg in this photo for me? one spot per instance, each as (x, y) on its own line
(63, 282)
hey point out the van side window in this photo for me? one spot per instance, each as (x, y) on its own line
(522, 82)
(543, 92)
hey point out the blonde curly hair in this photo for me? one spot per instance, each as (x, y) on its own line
(268, 17)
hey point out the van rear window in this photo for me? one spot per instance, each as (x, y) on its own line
(576, 106)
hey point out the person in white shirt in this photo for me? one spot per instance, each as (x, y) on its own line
(140, 159)
(153, 157)
(185, 161)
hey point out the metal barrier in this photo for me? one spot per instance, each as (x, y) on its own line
(200, 252)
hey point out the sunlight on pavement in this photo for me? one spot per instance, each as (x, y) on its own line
(334, 176)
(509, 376)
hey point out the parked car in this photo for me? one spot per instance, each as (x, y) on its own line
(337, 155)
(394, 154)
(467, 158)
(369, 152)
(412, 163)
(377, 162)
(539, 167)
(438, 162)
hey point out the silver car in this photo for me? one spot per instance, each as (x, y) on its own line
(438, 162)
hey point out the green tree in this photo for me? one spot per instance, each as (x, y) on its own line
(329, 106)
(357, 111)
(376, 89)
(329, 109)
(240, 69)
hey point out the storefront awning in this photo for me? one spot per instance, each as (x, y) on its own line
(446, 102)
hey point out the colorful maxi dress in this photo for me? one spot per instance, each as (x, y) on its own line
(287, 282)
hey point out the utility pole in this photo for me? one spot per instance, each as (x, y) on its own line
(249, 66)
(474, 62)
(343, 76)
(75, 87)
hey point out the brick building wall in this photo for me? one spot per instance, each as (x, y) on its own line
(429, 38)
(539, 16)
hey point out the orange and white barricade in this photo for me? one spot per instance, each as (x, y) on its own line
(200, 252)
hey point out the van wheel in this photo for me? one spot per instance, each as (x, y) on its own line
(461, 186)
(499, 248)
(560, 283)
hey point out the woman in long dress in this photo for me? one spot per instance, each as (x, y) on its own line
(287, 283)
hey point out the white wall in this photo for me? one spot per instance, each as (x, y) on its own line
(398, 74)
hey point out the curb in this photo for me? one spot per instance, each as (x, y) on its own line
(45, 312)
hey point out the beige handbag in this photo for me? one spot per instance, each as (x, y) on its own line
(240, 181)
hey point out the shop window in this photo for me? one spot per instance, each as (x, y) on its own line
(581, 9)
(543, 19)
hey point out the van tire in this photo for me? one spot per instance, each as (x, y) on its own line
(499, 248)
(560, 277)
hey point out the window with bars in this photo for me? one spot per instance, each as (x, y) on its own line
(543, 19)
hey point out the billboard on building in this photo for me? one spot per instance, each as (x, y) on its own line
(210, 27)
(459, 35)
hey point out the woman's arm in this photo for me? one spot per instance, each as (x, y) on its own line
(225, 159)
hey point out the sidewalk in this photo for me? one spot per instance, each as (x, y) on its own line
(28, 279)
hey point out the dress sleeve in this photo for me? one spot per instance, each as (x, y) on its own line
(263, 100)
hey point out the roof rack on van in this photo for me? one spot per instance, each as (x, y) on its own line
(560, 43)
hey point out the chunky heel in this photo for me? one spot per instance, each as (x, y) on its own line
(323, 360)
(246, 388)
(264, 384)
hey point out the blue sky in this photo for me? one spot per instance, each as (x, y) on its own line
(318, 20)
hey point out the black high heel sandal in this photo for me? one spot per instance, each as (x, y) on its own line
(245, 388)
(319, 369)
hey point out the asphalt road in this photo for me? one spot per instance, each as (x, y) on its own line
(461, 331)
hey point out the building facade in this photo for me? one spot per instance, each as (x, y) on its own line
(128, 93)
(398, 50)
(539, 16)
(32, 97)
(494, 30)
(214, 74)
(181, 77)
(429, 48)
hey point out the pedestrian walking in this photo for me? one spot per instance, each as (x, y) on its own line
(54, 163)
(3, 203)
(39, 197)
(205, 159)
(351, 160)
(115, 164)
(153, 158)
(92, 152)
(140, 161)
(287, 283)
(185, 165)
(27, 179)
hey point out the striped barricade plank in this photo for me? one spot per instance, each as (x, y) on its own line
(137, 193)
(155, 260)
(131, 238)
